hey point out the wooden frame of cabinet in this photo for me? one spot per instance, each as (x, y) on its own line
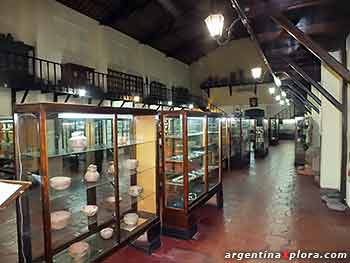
(181, 221)
(148, 229)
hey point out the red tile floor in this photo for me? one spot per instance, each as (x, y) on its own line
(267, 207)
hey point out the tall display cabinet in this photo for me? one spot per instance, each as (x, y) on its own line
(191, 168)
(225, 134)
(239, 142)
(274, 131)
(262, 137)
(95, 181)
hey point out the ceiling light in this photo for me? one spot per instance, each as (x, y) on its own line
(278, 82)
(136, 99)
(170, 103)
(278, 97)
(82, 92)
(284, 94)
(272, 90)
(256, 72)
(190, 106)
(215, 24)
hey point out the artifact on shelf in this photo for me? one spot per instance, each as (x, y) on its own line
(89, 210)
(79, 250)
(78, 142)
(131, 219)
(135, 190)
(107, 233)
(131, 164)
(60, 219)
(60, 183)
(92, 176)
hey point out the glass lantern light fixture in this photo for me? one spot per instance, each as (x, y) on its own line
(215, 24)
(284, 94)
(278, 98)
(256, 72)
(272, 90)
(278, 81)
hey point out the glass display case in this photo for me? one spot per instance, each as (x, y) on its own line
(240, 141)
(95, 180)
(191, 168)
(6, 148)
(262, 137)
(274, 131)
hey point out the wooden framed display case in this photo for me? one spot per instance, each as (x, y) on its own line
(95, 184)
(262, 137)
(225, 133)
(191, 168)
(239, 142)
(274, 131)
(301, 140)
(6, 148)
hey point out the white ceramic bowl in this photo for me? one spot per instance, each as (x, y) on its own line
(107, 233)
(131, 219)
(89, 210)
(60, 183)
(60, 219)
(131, 164)
(135, 190)
(79, 250)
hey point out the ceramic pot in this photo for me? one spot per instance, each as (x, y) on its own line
(107, 233)
(92, 175)
(78, 142)
(60, 183)
(89, 210)
(131, 164)
(135, 190)
(131, 219)
(60, 219)
(79, 250)
(110, 202)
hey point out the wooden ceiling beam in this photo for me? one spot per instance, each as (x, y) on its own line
(124, 11)
(267, 8)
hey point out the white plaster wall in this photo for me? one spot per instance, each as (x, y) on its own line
(330, 130)
(63, 35)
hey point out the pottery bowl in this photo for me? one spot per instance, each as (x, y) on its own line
(135, 190)
(60, 182)
(89, 210)
(131, 219)
(79, 250)
(60, 219)
(107, 233)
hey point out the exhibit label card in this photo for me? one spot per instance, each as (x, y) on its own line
(7, 190)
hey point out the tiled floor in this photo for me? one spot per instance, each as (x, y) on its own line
(267, 207)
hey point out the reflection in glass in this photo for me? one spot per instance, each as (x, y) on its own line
(196, 157)
(213, 151)
(173, 155)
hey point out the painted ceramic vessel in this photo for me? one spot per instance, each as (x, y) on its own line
(107, 233)
(79, 250)
(89, 210)
(135, 190)
(60, 183)
(131, 219)
(78, 142)
(60, 219)
(92, 176)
